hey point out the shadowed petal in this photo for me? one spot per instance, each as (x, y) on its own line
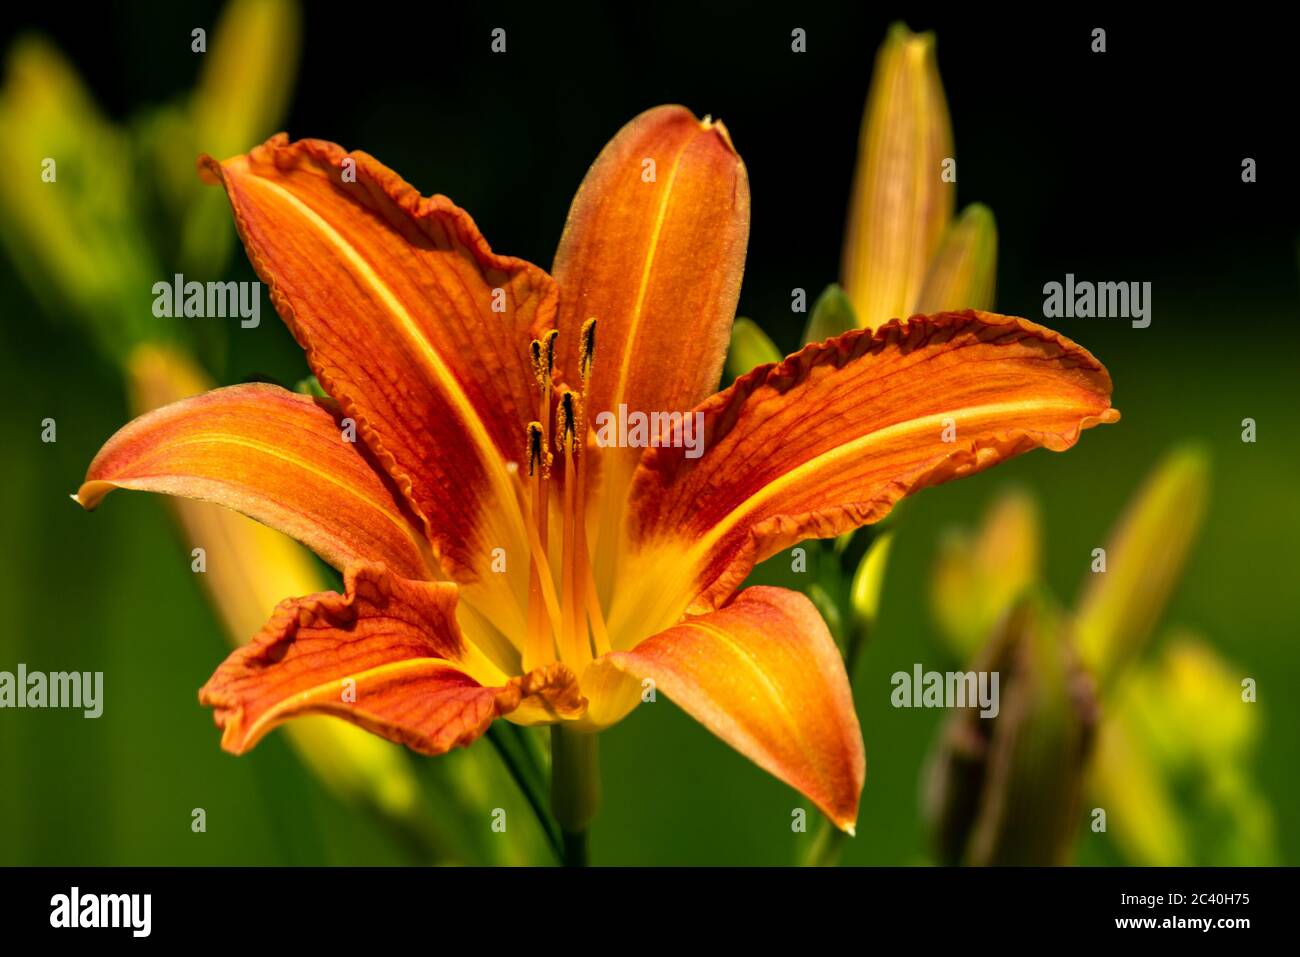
(833, 436)
(276, 456)
(387, 656)
(764, 675)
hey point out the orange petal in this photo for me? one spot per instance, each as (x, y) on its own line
(764, 675)
(277, 457)
(415, 326)
(657, 261)
(387, 656)
(833, 436)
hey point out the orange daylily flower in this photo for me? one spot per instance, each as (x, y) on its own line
(499, 561)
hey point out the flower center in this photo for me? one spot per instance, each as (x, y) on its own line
(565, 621)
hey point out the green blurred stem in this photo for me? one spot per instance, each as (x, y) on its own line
(828, 842)
(856, 644)
(826, 846)
(575, 849)
(520, 760)
(575, 789)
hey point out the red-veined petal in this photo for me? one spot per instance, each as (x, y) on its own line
(833, 436)
(387, 656)
(417, 328)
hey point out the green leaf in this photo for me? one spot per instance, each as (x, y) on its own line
(1144, 560)
(832, 315)
(750, 347)
(963, 272)
(311, 386)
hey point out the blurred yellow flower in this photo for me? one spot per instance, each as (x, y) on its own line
(1175, 733)
(977, 578)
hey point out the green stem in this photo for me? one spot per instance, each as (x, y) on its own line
(575, 849)
(575, 789)
(857, 643)
(827, 844)
(514, 755)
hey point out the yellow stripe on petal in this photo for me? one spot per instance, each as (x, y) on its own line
(251, 569)
(418, 329)
(653, 249)
(276, 456)
(833, 436)
(765, 676)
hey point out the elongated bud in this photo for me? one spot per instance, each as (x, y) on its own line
(832, 315)
(1145, 554)
(750, 347)
(964, 269)
(978, 576)
(1006, 781)
(868, 581)
(864, 600)
(587, 348)
(902, 201)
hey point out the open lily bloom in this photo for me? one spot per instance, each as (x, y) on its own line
(500, 561)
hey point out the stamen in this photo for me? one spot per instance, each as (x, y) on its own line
(574, 646)
(538, 647)
(543, 603)
(587, 349)
(536, 449)
(563, 422)
(575, 608)
(548, 350)
(535, 354)
(585, 584)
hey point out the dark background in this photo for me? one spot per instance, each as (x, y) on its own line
(1122, 166)
(1090, 161)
